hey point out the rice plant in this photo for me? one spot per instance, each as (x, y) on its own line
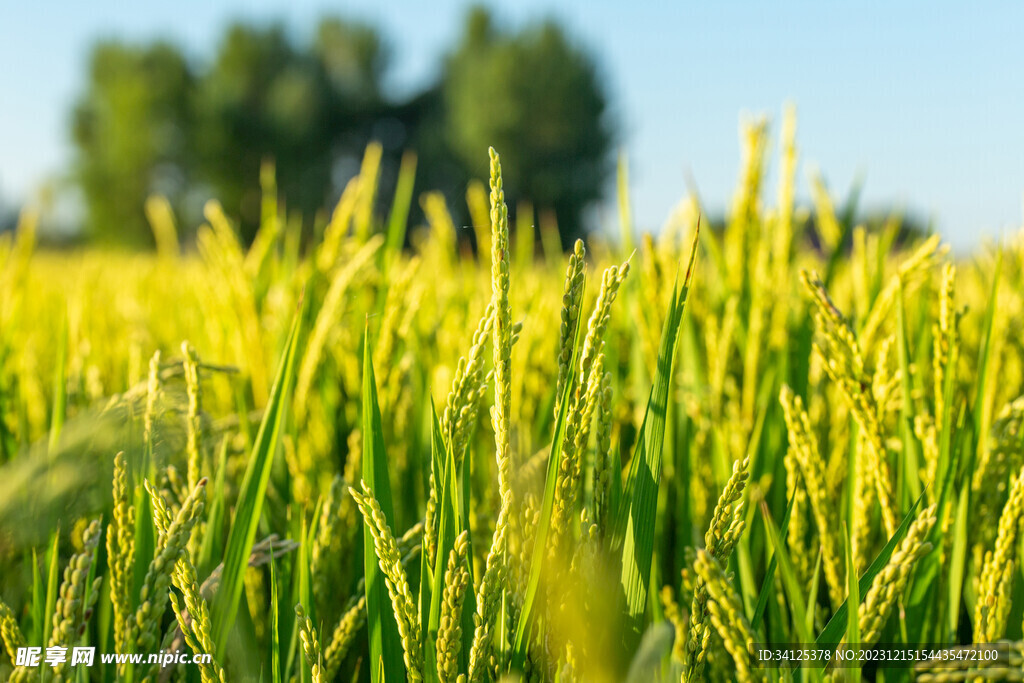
(478, 458)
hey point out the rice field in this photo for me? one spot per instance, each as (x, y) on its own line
(483, 458)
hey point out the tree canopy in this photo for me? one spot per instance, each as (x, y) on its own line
(538, 99)
(131, 130)
(150, 119)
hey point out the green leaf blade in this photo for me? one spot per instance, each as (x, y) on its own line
(252, 493)
(386, 661)
(635, 525)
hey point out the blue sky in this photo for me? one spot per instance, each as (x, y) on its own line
(924, 100)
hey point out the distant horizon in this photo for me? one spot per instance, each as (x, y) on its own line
(922, 103)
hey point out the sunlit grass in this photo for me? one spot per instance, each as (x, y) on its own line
(369, 463)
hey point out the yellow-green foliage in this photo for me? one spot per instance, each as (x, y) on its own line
(867, 375)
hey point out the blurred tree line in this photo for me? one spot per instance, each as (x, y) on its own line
(150, 120)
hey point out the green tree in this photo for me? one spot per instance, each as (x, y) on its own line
(536, 98)
(129, 129)
(149, 121)
(301, 106)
